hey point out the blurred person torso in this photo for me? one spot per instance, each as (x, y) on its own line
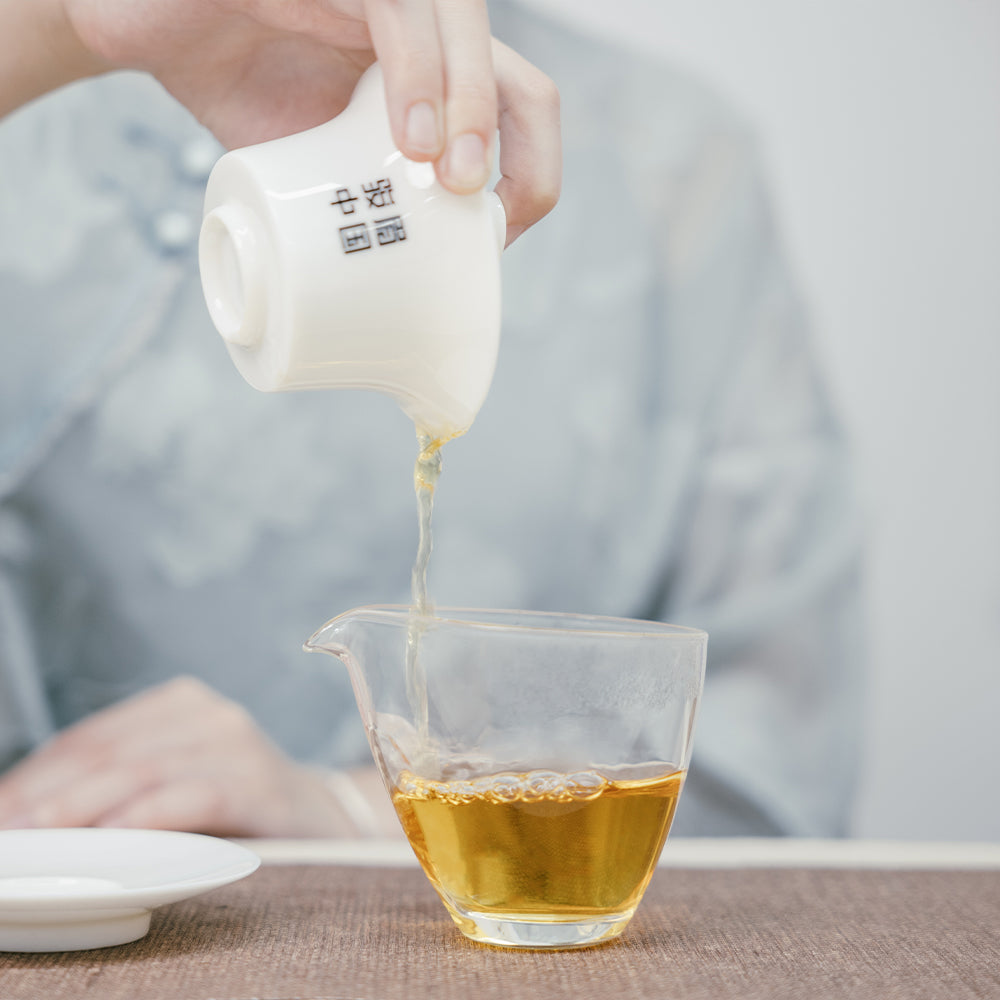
(657, 443)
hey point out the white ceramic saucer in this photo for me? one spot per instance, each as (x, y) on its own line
(63, 890)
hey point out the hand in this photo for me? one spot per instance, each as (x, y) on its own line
(179, 757)
(252, 70)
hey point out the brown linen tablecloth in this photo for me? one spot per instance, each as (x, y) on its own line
(322, 931)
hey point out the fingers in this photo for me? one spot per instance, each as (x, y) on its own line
(177, 757)
(191, 802)
(406, 41)
(471, 95)
(49, 786)
(121, 753)
(440, 88)
(530, 142)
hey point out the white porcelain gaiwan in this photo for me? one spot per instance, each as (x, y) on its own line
(330, 260)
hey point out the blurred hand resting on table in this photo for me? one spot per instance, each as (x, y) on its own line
(252, 70)
(182, 757)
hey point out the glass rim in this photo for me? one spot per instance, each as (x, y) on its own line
(566, 622)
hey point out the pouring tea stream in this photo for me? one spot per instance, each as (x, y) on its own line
(331, 261)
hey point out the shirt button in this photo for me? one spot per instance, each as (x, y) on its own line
(174, 229)
(198, 157)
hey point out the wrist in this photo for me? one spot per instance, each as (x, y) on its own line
(353, 804)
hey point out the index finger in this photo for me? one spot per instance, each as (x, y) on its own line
(440, 88)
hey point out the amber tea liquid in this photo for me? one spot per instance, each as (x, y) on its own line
(538, 845)
(426, 473)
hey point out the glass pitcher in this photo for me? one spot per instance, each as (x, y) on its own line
(534, 760)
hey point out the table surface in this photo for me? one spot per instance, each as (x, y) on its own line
(727, 918)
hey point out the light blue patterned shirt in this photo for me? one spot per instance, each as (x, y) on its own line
(658, 443)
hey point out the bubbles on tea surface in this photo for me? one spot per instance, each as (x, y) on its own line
(507, 786)
(549, 785)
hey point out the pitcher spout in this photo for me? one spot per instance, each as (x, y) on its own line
(329, 639)
(351, 633)
(370, 642)
(342, 637)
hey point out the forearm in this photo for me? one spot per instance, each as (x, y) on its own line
(39, 51)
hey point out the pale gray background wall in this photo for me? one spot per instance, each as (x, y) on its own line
(880, 121)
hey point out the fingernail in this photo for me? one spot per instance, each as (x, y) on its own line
(467, 166)
(422, 129)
